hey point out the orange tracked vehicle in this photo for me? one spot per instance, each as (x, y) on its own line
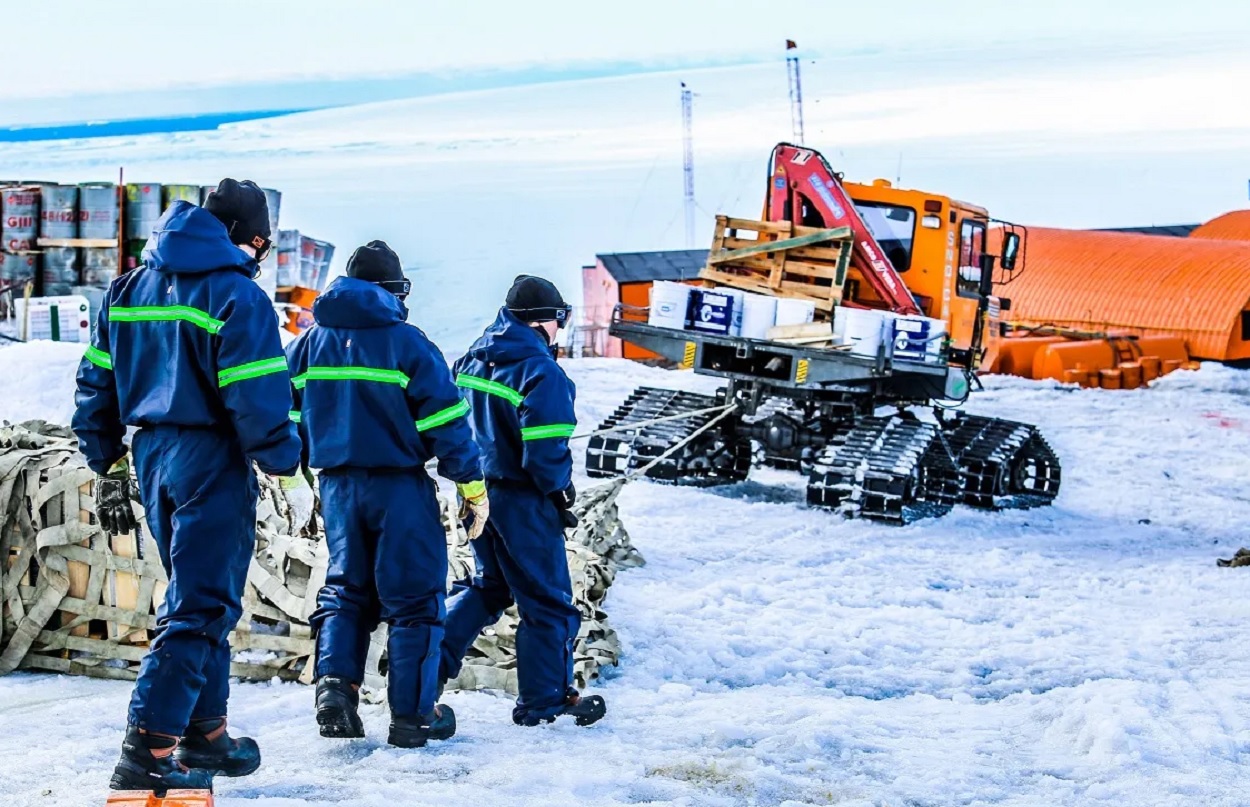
(899, 263)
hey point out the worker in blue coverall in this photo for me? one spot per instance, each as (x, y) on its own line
(186, 349)
(375, 400)
(522, 415)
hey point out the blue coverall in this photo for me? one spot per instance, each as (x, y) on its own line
(522, 415)
(375, 400)
(186, 348)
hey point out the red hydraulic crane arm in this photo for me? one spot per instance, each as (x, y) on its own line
(801, 172)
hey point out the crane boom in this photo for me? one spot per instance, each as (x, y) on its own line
(800, 176)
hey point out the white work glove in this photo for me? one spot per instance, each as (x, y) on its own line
(474, 506)
(299, 498)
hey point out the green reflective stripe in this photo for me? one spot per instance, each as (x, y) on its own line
(349, 374)
(99, 358)
(295, 415)
(543, 432)
(490, 387)
(443, 416)
(251, 370)
(167, 313)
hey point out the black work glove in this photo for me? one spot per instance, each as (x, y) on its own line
(112, 500)
(563, 500)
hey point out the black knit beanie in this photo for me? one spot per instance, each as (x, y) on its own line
(241, 206)
(375, 262)
(534, 299)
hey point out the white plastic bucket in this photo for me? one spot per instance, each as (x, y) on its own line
(794, 312)
(669, 304)
(863, 329)
(918, 338)
(735, 312)
(711, 310)
(759, 313)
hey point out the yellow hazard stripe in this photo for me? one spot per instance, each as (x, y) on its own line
(687, 359)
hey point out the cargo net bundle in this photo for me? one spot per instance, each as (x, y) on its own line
(75, 600)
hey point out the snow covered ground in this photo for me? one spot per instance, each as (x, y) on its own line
(1088, 653)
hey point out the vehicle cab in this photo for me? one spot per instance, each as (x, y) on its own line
(935, 244)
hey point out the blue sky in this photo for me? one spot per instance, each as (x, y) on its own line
(232, 41)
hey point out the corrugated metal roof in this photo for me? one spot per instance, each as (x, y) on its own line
(1234, 226)
(645, 267)
(1174, 230)
(1194, 288)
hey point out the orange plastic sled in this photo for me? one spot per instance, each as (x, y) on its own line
(173, 798)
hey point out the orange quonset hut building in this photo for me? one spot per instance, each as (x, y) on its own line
(1234, 226)
(626, 278)
(1196, 288)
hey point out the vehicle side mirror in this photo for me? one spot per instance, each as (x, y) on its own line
(1011, 250)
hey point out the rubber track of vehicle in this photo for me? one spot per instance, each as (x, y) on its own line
(1005, 464)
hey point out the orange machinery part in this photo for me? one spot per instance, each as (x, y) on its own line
(1130, 375)
(173, 798)
(1015, 355)
(1055, 359)
(298, 321)
(1110, 379)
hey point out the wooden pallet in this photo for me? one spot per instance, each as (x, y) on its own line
(780, 259)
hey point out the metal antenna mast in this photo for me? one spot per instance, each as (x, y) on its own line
(796, 91)
(687, 109)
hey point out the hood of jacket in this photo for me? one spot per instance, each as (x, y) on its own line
(508, 340)
(351, 303)
(188, 240)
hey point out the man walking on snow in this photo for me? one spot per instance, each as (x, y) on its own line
(375, 400)
(186, 348)
(522, 415)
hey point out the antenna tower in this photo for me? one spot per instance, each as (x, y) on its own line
(796, 90)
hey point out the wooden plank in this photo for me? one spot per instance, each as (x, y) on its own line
(777, 227)
(834, 234)
(123, 587)
(825, 271)
(718, 238)
(76, 242)
(34, 661)
(803, 330)
(747, 282)
(839, 280)
(829, 254)
(759, 264)
(743, 243)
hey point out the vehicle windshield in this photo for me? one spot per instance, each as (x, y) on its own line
(894, 227)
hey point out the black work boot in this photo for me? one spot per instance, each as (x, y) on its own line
(584, 711)
(409, 733)
(207, 746)
(337, 702)
(148, 763)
